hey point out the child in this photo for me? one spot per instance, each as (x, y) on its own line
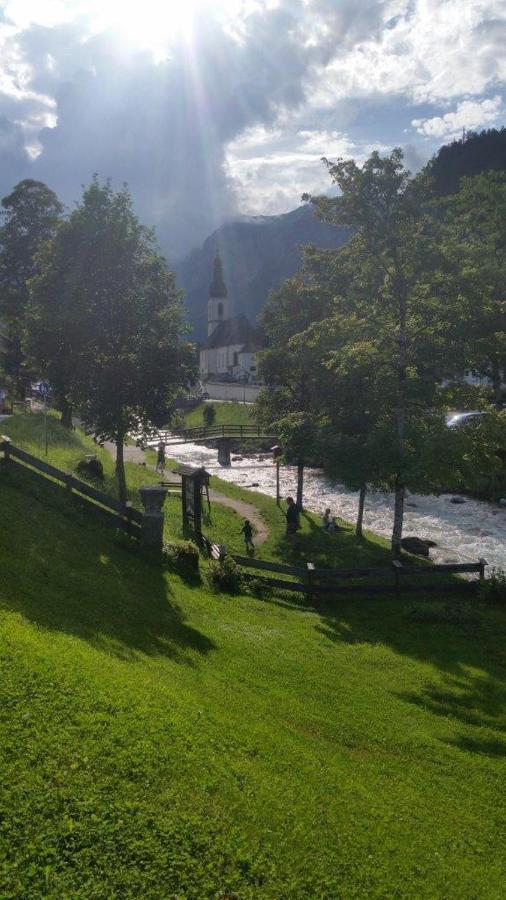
(247, 531)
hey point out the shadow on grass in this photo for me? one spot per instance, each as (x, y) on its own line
(68, 572)
(478, 701)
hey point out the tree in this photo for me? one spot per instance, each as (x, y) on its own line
(31, 213)
(292, 375)
(209, 415)
(475, 252)
(406, 328)
(123, 327)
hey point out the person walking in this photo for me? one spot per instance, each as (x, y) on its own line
(160, 458)
(292, 517)
(247, 531)
(326, 519)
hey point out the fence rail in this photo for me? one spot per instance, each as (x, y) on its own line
(329, 581)
(124, 517)
(214, 432)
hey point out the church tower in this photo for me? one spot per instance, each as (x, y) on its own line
(218, 305)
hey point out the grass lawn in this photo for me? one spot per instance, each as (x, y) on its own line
(226, 414)
(159, 740)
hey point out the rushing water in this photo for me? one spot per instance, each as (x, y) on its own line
(462, 532)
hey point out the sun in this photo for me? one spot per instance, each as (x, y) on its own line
(155, 24)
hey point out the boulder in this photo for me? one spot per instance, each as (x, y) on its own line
(457, 500)
(417, 546)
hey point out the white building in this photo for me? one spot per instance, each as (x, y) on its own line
(229, 354)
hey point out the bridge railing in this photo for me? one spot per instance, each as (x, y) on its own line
(215, 432)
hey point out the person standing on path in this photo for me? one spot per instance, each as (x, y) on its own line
(247, 531)
(160, 458)
(292, 517)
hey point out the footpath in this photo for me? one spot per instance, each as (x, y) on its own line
(134, 454)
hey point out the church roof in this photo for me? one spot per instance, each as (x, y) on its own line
(233, 332)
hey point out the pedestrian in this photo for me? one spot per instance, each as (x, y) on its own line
(292, 517)
(160, 458)
(326, 519)
(247, 531)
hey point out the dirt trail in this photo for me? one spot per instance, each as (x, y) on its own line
(246, 510)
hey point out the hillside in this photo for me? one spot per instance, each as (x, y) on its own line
(258, 253)
(162, 740)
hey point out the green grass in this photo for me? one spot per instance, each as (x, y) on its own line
(226, 414)
(162, 741)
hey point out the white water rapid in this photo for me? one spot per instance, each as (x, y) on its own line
(463, 532)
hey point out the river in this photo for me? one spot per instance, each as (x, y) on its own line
(463, 532)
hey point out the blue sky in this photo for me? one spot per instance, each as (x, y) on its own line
(210, 109)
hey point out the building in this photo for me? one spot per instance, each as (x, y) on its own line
(229, 354)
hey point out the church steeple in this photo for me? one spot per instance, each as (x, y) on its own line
(218, 304)
(217, 288)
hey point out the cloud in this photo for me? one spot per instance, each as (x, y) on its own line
(235, 113)
(469, 115)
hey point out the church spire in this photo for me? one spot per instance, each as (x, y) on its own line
(217, 288)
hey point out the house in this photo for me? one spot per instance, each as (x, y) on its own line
(229, 354)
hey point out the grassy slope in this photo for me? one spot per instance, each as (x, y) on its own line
(226, 414)
(159, 740)
(67, 448)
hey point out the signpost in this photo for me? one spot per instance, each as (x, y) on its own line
(277, 453)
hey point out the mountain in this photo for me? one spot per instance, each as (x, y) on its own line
(473, 154)
(258, 253)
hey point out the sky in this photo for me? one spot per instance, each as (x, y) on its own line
(213, 108)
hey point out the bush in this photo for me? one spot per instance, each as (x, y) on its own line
(225, 575)
(209, 415)
(182, 556)
(493, 590)
(91, 468)
(258, 588)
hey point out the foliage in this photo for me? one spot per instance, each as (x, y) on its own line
(475, 257)
(181, 555)
(225, 575)
(30, 216)
(226, 414)
(474, 154)
(209, 415)
(121, 321)
(493, 588)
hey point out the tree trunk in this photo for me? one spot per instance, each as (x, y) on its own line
(120, 468)
(66, 414)
(361, 504)
(398, 518)
(400, 487)
(300, 484)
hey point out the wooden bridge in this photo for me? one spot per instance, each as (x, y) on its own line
(214, 433)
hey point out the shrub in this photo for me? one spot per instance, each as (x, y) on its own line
(258, 588)
(209, 415)
(225, 575)
(182, 556)
(91, 468)
(493, 590)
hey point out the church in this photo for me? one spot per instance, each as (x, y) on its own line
(229, 354)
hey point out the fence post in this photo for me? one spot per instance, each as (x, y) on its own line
(153, 498)
(310, 578)
(128, 515)
(6, 447)
(397, 565)
(483, 563)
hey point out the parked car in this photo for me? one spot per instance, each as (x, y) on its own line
(462, 418)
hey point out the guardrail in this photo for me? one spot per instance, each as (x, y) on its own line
(122, 516)
(330, 581)
(214, 432)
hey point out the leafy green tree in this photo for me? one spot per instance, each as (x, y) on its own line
(209, 414)
(290, 403)
(31, 213)
(123, 327)
(405, 326)
(475, 252)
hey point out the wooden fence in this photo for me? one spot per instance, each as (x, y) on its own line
(394, 577)
(122, 516)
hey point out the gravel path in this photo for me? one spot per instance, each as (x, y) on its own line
(246, 510)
